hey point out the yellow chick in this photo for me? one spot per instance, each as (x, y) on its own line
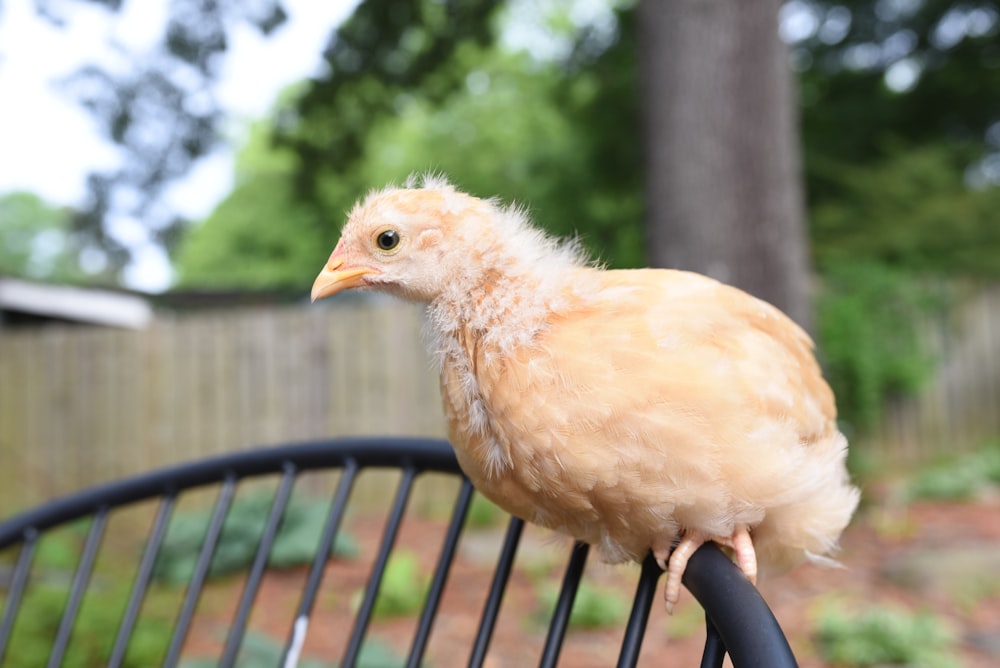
(634, 410)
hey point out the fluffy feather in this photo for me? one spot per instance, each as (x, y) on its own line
(624, 408)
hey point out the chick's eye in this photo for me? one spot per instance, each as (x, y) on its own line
(387, 240)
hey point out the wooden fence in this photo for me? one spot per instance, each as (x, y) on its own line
(82, 405)
(959, 409)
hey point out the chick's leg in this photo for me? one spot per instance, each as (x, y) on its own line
(676, 561)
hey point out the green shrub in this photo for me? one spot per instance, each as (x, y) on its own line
(294, 545)
(257, 651)
(883, 636)
(959, 478)
(377, 654)
(94, 631)
(869, 336)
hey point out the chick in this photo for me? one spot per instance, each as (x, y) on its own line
(634, 410)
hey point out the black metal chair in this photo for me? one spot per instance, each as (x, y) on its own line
(738, 620)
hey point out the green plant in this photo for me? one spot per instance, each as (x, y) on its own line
(869, 335)
(594, 607)
(95, 629)
(60, 550)
(958, 478)
(257, 651)
(376, 653)
(885, 635)
(294, 545)
(483, 513)
(403, 588)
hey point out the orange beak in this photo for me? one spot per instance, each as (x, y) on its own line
(333, 279)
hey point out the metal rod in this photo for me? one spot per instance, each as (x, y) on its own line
(335, 515)
(564, 605)
(208, 545)
(715, 650)
(363, 617)
(78, 588)
(440, 575)
(18, 582)
(635, 629)
(500, 577)
(142, 579)
(259, 565)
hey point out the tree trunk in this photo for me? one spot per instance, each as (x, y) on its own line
(723, 178)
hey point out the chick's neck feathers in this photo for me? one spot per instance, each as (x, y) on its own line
(504, 289)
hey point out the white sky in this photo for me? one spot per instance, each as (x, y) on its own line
(48, 143)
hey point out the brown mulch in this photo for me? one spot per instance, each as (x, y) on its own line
(877, 550)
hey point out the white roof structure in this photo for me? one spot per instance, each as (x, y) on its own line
(89, 305)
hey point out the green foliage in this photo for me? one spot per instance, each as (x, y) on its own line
(59, 550)
(385, 50)
(260, 236)
(378, 654)
(257, 238)
(257, 651)
(36, 240)
(884, 635)
(480, 136)
(403, 587)
(852, 118)
(294, 545)
(483, 513)
(95, 629)
(594, 607)
(959, 478)
(912, 210)
(870, 345)
(886, 235)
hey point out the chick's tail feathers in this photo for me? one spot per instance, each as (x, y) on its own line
(814, 511)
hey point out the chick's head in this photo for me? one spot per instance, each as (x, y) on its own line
(406, 242)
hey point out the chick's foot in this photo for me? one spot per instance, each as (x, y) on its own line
(675, 561)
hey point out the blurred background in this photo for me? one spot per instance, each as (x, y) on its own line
(173, 174)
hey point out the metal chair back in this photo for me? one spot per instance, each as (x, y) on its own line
(738, 619)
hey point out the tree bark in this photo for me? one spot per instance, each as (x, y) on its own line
(724, 190)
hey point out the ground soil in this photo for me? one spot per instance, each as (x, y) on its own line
(894, 554)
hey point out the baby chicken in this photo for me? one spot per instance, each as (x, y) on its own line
(634, 410)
